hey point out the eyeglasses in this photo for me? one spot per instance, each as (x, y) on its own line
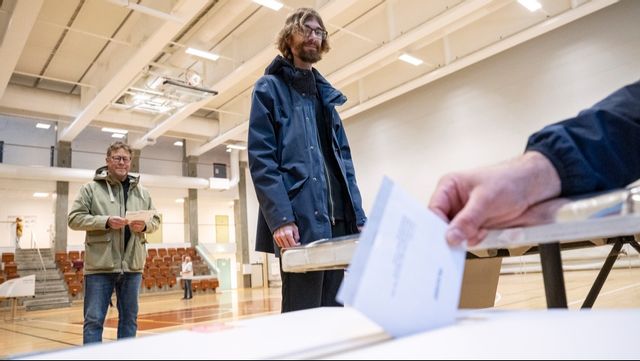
(117, 159)
(318, 32)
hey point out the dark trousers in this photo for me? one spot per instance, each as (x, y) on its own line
(301, 291)
(188, 293)
(98, 289)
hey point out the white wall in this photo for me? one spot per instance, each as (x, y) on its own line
(24, 143)
(209, 206)
(484, 113)
(37, 213)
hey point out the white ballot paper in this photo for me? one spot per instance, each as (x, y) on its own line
(140, 215)
(403, 275)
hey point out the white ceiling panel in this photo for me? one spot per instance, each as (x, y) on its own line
(366, 39)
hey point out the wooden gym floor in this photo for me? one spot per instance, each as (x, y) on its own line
(38, 331)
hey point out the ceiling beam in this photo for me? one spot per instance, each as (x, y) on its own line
(256, 63)
(220, 139)
(123, 75)
(347, 73)
(484, 53)
(22, 19)
(151, 136)
(23, 101)
(368, 61)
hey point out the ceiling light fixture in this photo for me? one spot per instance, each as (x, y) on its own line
(40, 195)
(43, 126)
(203, 54)
(410, 59)
(236, 146)
(156, 83)
(115, 130)
(531, 5)
(271, 4)
(178, 143)
(118, 135)
(179, 200)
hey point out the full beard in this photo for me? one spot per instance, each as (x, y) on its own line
(308, 56)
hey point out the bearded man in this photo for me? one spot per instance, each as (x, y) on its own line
(300, 159)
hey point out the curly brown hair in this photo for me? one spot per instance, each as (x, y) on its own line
(295, 22)
(117, 146)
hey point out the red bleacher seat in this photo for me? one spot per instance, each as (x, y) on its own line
(75, 288)
(61, 257)
(8, 257)
(149, 282)
(74, 255)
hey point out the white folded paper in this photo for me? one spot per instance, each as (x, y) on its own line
(140, 215)
(403, 275)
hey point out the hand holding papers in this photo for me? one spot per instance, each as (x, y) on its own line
(320, 255)
(144, 216)
(403, 274)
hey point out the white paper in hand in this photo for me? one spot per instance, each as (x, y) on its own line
(143, 215)
(404, 276)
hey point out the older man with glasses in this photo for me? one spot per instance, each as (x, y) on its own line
(300, 159)
(115, 249)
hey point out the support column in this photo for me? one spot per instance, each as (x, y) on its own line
(190, 169)
(242, 233)
(135, 161)
(62, 199)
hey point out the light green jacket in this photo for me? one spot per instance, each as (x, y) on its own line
(104, 247)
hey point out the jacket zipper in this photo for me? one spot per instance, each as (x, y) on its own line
(121, 240)
(326, 176)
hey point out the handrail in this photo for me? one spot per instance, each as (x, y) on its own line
(44, 268)
(207, 256)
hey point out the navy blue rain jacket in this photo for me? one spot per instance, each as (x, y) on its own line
(599, 149)
(286, 160)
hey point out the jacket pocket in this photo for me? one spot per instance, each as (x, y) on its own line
(296, 188)
(98, 253)
(138, 253)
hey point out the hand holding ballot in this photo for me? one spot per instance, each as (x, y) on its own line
(144, 216)
(135, 219)
(116, 222)
(403, 275)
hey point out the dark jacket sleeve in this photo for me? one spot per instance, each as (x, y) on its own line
(599, 149)
(356, 198)
(263, 159)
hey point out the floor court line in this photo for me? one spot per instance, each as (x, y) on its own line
(610, 292)
(39, 337)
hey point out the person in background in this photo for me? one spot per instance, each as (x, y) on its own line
(186, 274)
(597, 150)
(115, 250)
(300, 159)
(19, 229)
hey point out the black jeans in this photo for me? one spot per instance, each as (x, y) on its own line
(301, 291)
(188, 293)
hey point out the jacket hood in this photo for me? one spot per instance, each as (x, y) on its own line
(102, 174)
(298, 79)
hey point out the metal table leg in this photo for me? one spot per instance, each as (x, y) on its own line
(552, 275)
(603, 274)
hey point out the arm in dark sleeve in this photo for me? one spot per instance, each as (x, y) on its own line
(263, 161)
(356, 198)
(599, 149)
